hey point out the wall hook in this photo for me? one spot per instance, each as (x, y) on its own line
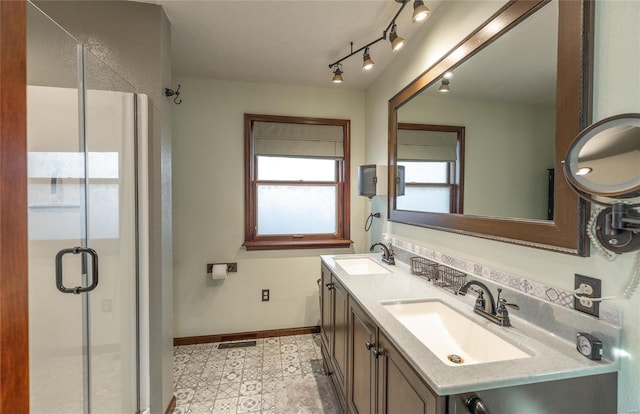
(171, 92)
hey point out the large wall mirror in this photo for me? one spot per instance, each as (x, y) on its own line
(519, 86)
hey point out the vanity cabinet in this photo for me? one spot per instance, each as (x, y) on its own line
(381, 381)
(400, 389)
(334, 330)
(362, 361)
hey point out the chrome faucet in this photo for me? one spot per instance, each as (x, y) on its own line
(487, 309)
(387, 255)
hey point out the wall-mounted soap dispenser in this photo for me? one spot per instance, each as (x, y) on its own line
(372, 180)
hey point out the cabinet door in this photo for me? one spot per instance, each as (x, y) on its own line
(400, 390)
(326, 311)
(362, 338)
(340, 318)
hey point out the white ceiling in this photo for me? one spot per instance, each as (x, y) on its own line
(283, 42)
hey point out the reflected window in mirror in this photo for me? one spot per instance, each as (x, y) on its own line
(431, 158)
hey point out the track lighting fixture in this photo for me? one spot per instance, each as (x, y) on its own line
(420, 13)
(367, 63)
(444, 88)
(337, 74)
(396, 41)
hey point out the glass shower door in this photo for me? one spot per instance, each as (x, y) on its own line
(112, 231)
(82, 228)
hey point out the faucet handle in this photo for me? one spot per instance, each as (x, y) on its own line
(502, 302)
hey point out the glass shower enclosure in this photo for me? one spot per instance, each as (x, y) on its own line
(86, 181)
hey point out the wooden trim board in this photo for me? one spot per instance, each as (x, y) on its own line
(204, 339)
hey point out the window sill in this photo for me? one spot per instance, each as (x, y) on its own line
(295, 244)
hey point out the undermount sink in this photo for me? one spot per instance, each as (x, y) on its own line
(361, 266)
(455, 339)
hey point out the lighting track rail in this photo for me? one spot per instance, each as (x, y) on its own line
(420, 13)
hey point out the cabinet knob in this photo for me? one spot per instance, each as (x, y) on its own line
(377, 353)
(475, 405)
(330, 286)
(369, 345)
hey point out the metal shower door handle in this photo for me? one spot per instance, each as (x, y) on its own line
(94, 270)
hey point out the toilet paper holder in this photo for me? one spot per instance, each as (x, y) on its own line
(231, 267)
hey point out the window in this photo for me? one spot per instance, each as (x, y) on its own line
(296, 182)
(428, 186)
(430, 168)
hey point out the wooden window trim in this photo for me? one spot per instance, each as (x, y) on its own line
(252, 241)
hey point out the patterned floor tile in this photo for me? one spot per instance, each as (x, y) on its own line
(201, 407)
(269, 360)
(181, 358)
(291, 358)
(288, 348)
(254, 352)
(251, 387)
(184, 395)
(181, 409)
(206, 393)
(209, 380)
(291, 369)
(236, 353)
(198, 358)
(250, 404)
(272, 371)
(271, 385)
(184, 349)
(188, 381)
(268, 401)
(193, 368)
(228, 390)
(231, 376)
(271, 350)
(234, 364)
(252, 373)
(271, 341)
(225, 406)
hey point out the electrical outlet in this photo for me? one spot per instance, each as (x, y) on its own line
(586, 288)
(265, 295)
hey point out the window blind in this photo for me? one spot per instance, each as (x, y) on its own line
(418, 145)
(302, 140)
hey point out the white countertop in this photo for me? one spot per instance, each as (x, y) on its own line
(552, 358)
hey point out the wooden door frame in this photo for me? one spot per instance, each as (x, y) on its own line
(14, 305)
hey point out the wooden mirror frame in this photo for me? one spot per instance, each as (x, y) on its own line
(566, 233)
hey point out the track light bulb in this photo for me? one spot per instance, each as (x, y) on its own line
(396, 41)
(367, 63)
(337, 75)
(444, 88)
(420, 11)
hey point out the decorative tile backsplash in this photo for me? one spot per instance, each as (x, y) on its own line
(558, 296)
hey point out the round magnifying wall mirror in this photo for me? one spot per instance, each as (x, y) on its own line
(604, 159)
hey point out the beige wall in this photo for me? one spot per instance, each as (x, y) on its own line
(617, 58)
(208, 209)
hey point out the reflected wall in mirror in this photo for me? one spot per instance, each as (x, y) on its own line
(520, 86)
(432, 157)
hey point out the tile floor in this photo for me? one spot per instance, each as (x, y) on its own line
(242, 380)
